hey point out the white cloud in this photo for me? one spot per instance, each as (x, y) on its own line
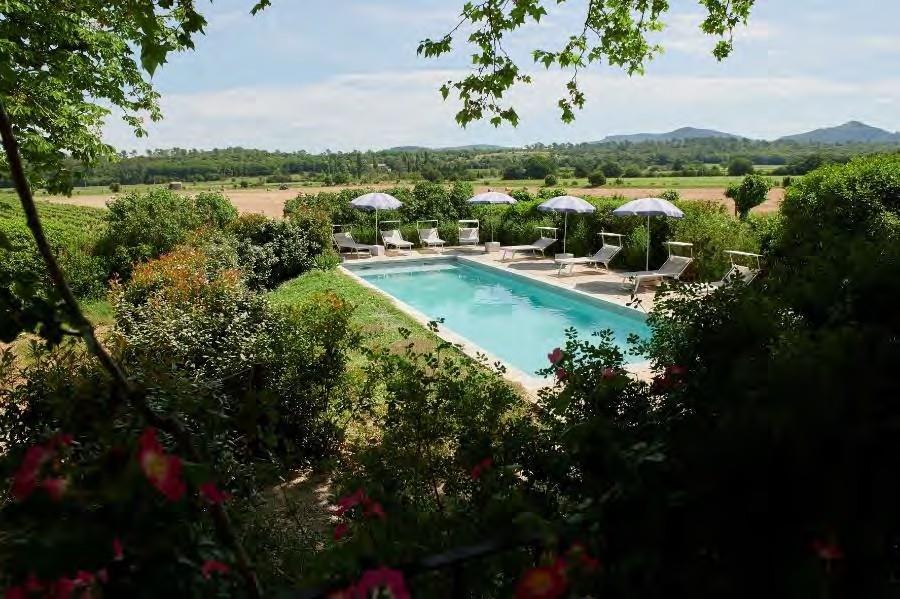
(383, 109)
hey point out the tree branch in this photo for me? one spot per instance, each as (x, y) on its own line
(85, 330)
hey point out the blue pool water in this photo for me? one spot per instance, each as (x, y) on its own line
(512, 317)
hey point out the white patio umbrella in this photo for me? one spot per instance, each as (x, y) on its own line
(567, 205)
(376, 201)
(492, 197)
(648, 207)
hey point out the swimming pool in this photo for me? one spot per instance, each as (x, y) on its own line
(513, 317)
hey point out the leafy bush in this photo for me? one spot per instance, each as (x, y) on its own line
(141, 226)
(550, 180)
(115, 187)
(271, 251)
(740, 166)
(597, 178)
(748, 194)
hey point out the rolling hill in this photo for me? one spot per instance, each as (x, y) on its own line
(849, 132)
(677, 134)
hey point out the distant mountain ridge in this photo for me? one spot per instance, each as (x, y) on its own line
(677, 134)
(849, 132)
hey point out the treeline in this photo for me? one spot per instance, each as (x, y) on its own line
(696, 157)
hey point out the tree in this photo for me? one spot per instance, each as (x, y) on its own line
(750, 193)
(612, 169)
(538, 166)
(597, 178)
(615, 32)
(740, 166)
(550, 180)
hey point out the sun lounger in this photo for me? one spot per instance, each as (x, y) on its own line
(468, 232)
(393, 238)
(344, 241)
(540, 245)
(603, 256)
(739, 272)
(428, 235)
(672, 268)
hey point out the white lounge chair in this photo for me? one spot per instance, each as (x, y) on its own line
(739, 272)
(672, 268)
(393, 237)
(603, 256)
(540, 245)
(428, 234)
(344, 241)
(468, 232)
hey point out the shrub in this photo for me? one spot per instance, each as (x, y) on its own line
(750, 193)
(141, 226)
(786, 182)
(597, 179)
(612, 169)
(271, 251)
(115, 187)
(550, 180)
(244, 184)
(740, 166)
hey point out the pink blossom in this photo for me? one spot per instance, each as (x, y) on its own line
(341, 530)
(348, 502)
(384, 579)
(561, 374)
(608, 373)
(210, 492)
(162, 470)
(543, 582)
(212, 566)
(118, 550)
(374, 509)
(555, 356)
(15, 593)
(481, 467)
(55, 487)
(26, 477)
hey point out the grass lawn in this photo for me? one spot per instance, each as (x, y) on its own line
(375, 316)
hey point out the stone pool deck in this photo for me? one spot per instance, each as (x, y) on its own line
(595, 282)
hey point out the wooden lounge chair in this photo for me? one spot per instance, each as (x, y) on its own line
(344, 242)
(672, 268)
(540, 245)
(428, 235)
(603, 256)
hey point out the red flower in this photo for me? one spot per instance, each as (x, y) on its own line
(62, 588)
(33, 585)
(210, 492)
(481, 467)
(15, 593)
(26, 477)
(544, 582)
(162, 470)
(341, 530)
(579, 552)
(83, 578)
(383, 578)
(561, 374)
(827, 550)
(212, 566)
(348, 502)
(373, 509)
(348, 593)
(676, 371)
(55, 487)
(608, 373)
(118, 550)
(555, 356)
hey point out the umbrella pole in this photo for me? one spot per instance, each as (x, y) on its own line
(647, 263)
(565, 230)
(376, 226)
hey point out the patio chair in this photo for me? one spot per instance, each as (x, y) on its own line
(468, 232)
(428, 234)
(539, 245)
(344, 241)
(739, 272)
(672, 268)
(603, 256)
(393, 238)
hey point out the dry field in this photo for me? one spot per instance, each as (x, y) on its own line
(271, 202)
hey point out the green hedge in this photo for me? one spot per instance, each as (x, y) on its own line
(707, 225)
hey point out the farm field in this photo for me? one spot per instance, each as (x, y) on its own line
(271, 201)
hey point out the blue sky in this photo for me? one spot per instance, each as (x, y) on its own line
(344, 75)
